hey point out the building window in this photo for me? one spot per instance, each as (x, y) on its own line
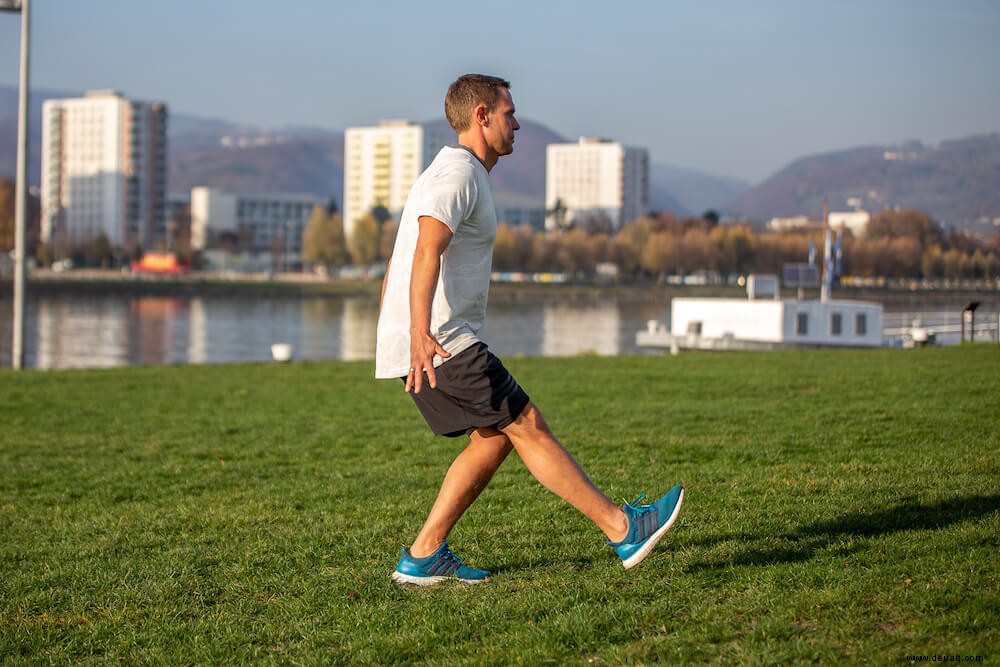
(802, 324)
(836, 324)
(861, 324)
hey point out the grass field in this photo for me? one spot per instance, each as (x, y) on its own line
(841, 506)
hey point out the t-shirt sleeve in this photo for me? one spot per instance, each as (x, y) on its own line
(450, 196)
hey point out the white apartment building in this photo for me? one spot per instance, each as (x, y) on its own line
(104, 170)
(593, 180)
(381, 163)
(251, 223)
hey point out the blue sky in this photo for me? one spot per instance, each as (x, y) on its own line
(730, 87)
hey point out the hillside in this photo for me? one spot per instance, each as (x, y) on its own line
(695, 191)
(956, 182)
(268, 163)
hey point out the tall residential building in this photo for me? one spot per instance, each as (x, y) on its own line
(104, 170)
(381, 163)
(594, 182)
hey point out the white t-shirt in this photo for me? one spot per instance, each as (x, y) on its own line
(455, 189)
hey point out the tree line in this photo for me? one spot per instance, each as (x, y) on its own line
(896, 244)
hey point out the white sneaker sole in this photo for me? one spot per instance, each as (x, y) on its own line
(639, 555)
(401, 578)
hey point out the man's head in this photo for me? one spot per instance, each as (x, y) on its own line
(468, 92)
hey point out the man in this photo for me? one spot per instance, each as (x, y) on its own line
(433, 306)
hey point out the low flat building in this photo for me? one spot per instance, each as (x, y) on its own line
(253, 223)
(854, 221)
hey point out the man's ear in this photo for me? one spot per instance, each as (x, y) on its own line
(481, 114)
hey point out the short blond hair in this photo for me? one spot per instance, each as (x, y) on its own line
(466, 93)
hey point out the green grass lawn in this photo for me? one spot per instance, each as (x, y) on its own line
(841, 505)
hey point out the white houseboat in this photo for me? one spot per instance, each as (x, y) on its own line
(765, 321)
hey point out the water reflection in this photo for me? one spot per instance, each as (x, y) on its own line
(76, 331)
(573, 329)
(71, 334)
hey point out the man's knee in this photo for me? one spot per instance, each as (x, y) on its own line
(528, 422)
(491, 437)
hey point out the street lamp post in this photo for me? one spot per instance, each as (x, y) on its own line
(21, 185)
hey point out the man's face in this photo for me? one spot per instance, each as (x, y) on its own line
(502, 124)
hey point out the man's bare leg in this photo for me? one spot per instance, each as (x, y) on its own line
(558, 471)
(468, 475)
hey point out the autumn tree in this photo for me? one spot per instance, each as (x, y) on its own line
(906, 223)
(98, 251)
(735, 248)
(364, 243)
(627, 247)
(542, 255)
(323, 240)
(577, 251)
(694, 250)
(505, 251)
(659, 256)
(902, 257)
(524, 235)
(625, 254)
(932, 262)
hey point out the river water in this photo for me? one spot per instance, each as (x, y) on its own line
(106, 330)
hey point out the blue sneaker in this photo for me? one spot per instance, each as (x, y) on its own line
(440, 565)
(646, 525)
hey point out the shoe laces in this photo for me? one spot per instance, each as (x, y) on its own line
(639, 505)
(448, 554)
(446, 563)
(641, 518)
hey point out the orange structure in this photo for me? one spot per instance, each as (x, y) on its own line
(159, 262)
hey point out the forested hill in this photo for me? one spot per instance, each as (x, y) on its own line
(955, 182)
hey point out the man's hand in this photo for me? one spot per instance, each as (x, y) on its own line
(423, 347)
(432, 240)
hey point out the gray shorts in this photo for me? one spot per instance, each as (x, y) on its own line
(473, 391)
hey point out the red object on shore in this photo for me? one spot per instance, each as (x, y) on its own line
(159, 262)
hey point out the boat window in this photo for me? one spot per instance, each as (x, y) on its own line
(802, 324)
(835, 324)
(861, 324)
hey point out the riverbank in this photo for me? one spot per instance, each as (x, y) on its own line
(95, 281)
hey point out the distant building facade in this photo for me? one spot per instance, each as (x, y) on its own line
(381, 163)
(516, 211)
(595, 180)
(104, 170)
(251, 223)
(855, 221)
(794, 223)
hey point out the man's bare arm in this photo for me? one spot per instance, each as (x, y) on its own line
(432, 241)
